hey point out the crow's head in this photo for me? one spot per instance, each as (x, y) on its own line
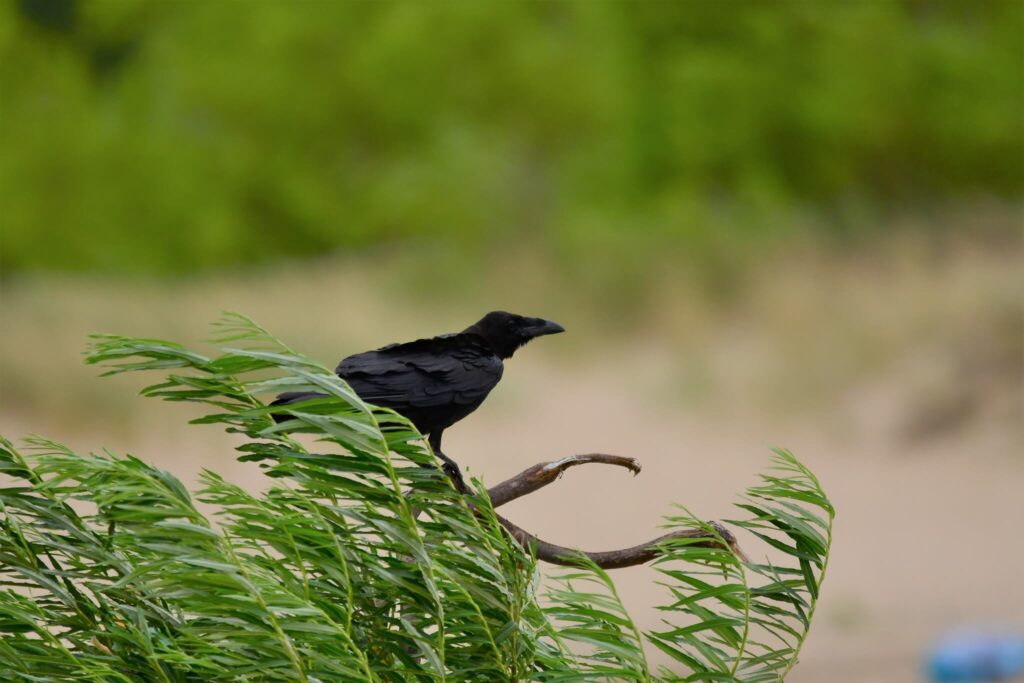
(506, 332)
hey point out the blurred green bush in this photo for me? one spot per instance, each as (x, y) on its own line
(141, 136)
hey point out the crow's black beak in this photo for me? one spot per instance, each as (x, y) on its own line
(543, 327)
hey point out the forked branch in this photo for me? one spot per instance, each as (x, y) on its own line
(542, 474)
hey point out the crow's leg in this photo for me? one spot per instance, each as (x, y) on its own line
(450, 467)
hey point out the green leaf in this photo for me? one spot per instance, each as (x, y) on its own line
(110, 572)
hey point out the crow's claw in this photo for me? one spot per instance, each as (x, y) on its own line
(455, 474)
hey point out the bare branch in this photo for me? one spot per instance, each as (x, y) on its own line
(542, 474)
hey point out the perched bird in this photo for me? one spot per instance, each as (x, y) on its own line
(438, 381)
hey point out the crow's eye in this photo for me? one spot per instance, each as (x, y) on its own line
(510, 324)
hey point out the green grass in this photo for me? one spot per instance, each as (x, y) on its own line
(191, 136)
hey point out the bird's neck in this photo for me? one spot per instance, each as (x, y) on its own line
(501, 349)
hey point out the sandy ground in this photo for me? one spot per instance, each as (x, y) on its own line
(897, 376)
(926, 538)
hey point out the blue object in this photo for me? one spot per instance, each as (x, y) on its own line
(977, 658)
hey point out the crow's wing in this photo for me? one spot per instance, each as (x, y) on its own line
(451, 370)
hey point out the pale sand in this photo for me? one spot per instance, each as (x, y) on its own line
(927, 535)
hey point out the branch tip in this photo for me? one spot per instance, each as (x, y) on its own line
(542, 474)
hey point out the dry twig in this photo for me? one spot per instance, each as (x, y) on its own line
(542, 474)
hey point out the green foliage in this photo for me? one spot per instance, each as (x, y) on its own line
(356, 563)
(143, 136)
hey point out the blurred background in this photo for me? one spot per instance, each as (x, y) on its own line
(763, 223)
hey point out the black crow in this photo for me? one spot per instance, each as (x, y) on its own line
(438, 381)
